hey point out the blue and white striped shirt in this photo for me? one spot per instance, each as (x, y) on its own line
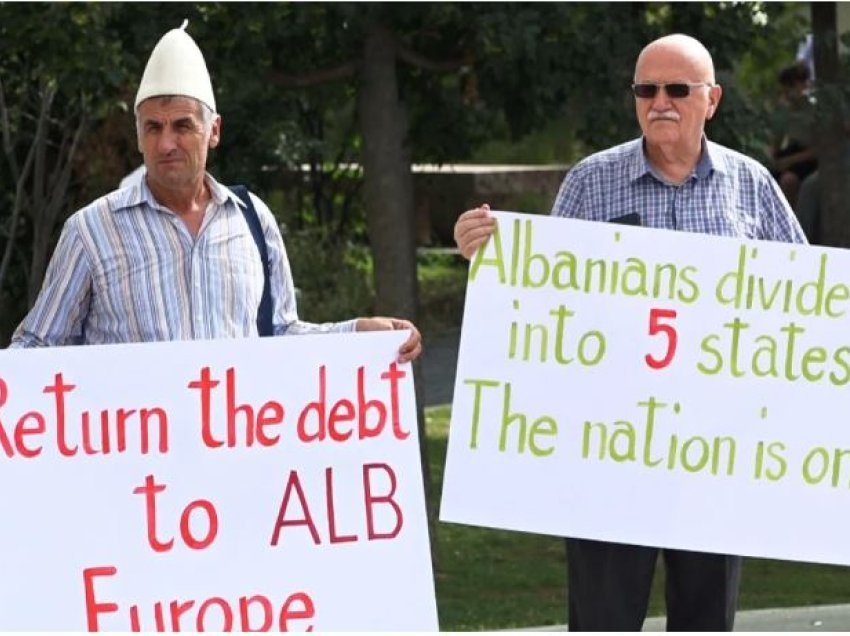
(728, 194)
(127, 269)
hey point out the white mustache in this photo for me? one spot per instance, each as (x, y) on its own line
(670, 115)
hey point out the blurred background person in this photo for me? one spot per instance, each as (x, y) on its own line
(792, 149)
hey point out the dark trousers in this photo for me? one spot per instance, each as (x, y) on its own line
(609, 586)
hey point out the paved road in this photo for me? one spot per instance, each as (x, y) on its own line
(439, 363)
(820, 618)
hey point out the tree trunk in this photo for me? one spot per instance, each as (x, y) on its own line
(388, 194)
(49, 194)
(831, 135)
(388, 183)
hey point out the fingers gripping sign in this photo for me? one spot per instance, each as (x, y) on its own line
(410, 348)
(472, 230)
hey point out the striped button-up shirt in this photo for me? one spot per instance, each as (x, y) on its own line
(727, 194)
(127, 269)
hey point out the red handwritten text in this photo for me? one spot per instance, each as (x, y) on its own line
(370, 473)
(365, 416)
(147, 428)
(150, 490)
(248, 613)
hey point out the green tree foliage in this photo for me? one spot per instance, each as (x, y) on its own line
(54, 86)
(576, 63)
(289, 79)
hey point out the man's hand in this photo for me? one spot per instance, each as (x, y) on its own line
(473, 228)
(412, 347)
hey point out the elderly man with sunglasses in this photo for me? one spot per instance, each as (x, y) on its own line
(671, 178)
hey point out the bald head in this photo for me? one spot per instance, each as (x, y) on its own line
(681, 50)
(673, 125)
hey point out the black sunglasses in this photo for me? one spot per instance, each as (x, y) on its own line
(675, 90)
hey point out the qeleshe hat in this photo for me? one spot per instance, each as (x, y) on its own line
(176, 67)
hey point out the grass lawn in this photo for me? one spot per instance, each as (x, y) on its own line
(494, 579)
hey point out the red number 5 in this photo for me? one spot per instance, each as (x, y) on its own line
(655, 327)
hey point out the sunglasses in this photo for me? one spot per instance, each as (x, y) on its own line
(675, 90)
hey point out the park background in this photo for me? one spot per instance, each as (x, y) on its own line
(368, 127)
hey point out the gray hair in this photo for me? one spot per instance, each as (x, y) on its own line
(204, 112)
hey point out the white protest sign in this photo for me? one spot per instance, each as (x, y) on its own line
(657, 388)
(257, 484)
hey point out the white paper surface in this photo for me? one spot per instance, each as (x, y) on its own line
(368, 566)
(749, 451)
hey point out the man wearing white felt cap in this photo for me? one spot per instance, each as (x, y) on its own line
(172, 256)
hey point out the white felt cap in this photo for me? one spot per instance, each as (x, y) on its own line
(176, 67)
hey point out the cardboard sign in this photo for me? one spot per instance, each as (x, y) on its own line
(259, 484)
(655, 388)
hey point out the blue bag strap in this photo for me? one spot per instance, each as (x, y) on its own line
(265, 324)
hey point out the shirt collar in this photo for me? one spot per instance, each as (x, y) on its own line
(707, 163)
(221, 193)
(138, 193)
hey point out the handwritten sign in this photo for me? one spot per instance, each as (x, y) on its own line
(265, 484)
(656, 388)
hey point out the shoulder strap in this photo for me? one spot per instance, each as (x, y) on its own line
(265, 324)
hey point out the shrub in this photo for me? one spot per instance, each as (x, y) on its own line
(333, 277)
